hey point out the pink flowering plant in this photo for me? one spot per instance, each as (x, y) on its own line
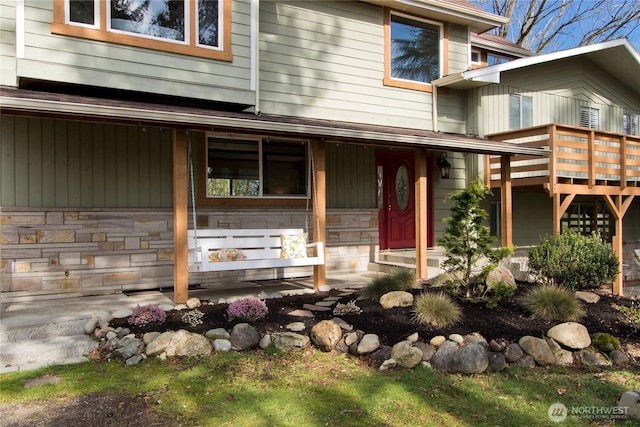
(146, 315)
(249, 308)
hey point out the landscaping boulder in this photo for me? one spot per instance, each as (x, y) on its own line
(406, 355)
(497, 362)
(288, 341)
(588, 297)
(538, 349)
(368, 344)
(159, 344)
(396, 299)
(469, 359)
(571, 334)
(442, 359)
(501, 274)
(325, 335)
(244, 337)
(593, 359)
(188, 344)
(513, 352)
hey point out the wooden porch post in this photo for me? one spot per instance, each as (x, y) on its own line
(506, 198)
(421, 213)
(619, 208)
(180, 250)
(320, 208)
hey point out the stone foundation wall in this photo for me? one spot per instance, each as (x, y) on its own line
(76, 251)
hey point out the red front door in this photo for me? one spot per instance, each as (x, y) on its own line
(396, 199)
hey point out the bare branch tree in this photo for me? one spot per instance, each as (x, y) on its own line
(547, 25)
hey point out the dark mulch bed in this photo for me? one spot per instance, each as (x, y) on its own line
(508, 321)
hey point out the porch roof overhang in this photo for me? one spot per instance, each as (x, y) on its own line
(55, 105)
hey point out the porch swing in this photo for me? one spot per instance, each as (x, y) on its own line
(247, 249)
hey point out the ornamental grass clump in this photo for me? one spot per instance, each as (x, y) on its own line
(438, 310)
(552, 303)
(398, 280)
(249, 308)
(147, 315)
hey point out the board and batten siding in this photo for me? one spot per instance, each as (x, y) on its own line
(326, 60)
(350, 177)
(57, 163)
(74, 60)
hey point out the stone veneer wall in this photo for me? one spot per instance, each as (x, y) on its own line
(90, 251)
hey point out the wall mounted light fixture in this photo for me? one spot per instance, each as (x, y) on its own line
(444, 165)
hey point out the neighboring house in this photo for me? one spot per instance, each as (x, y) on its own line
(583, 104)
(311, 114)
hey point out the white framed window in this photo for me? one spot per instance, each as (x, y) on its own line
(520, 111)
(631, 124)
(475, 57)
(254, 167)
(84, 13)
(589, 117)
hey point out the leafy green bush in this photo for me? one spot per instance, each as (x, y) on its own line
(438, 310)
(496, 293)
(574, 261)
(400, 279)
(552, 303)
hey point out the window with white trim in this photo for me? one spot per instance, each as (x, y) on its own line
(520, 111)
(192, 27)
(631, 124)
(476, 57)
(589, 117)
(256, 167)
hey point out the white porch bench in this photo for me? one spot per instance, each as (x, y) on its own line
(246, 249)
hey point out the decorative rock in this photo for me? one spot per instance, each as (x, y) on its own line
(301, 313)
(129, 347)
(388, 364)
(588, 297)
(413, 338)
(538, 349)
(564, 357)
(221, 345)
(265, 341)
(497, 362)
(159, 344)
(344, 325)
(342, 347)
(149, 337)
(351, 339)
(325, 335)
(513, 352)
(406, 355)
(427, 350)
(122, 313)
(244, 337)
(619, 358)
(442, 358)
(180, 307)
(498, 345)
(368, 344)
(381, 354)
(296, 326)
(193, 303)
(571, 334)
(631, 401)
(166, 307)
(525, 361)
(469, 359)
(218, 333)
(501, 274)
(476, 338)
(456, 338)
(134, 360)
(111, 335)
(592, 359)
(91, 325)
(288, 341)
(396, 299)
(437, 341)
(188, 344)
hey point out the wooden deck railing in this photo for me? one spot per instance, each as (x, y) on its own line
(578, 156)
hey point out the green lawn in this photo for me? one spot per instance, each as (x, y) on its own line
(317, 389)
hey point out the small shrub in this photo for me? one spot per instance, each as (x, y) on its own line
(552, 303)
(147, 315)
(249, 308)
(496, 293)
(630, 315)
(438, 310)
(193, 318)
(346, 309)
(574, 261)
(398, 280)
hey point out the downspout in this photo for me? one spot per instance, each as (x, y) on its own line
(255, 54)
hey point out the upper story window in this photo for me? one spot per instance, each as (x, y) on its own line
(476, 57)
(520, 111)
(493, 59)
(256, 167)
(191, 27)
(590, 117)
(414, 51)
(631, 124)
